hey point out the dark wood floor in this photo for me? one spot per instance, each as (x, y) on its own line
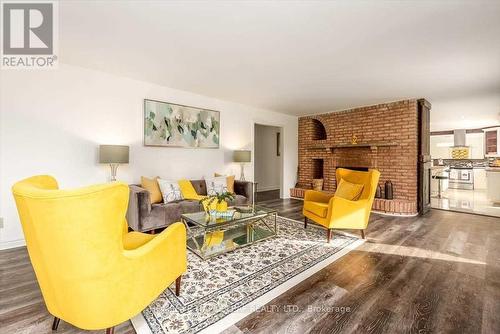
(437, 273)
(267, 195)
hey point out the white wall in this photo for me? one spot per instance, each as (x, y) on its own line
(476, 143)
(267, 162)
(51, 122)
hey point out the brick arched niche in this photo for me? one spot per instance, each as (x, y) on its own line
(316, 129)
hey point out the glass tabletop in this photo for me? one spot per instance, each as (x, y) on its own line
(203, 219)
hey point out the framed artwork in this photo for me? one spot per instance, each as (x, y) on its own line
(174, 125)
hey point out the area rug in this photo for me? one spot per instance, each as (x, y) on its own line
(218, 292)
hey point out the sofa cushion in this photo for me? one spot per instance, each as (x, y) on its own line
(188, 191)
(317, 208)
(229, 180)
(170, 190)
(238, 200)
(216, 185)
(188, 206)
(200, 186)
(152, 186)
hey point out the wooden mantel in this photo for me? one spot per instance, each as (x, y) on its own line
(372, 146)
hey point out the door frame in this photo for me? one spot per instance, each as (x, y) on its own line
(282, 150)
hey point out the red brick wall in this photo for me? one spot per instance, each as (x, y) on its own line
(388, 122)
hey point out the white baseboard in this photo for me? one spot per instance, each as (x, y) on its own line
(12, 244)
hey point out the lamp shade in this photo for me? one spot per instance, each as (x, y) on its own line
(113, 154)
(242, 156)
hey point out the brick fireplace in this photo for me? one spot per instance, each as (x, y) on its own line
(387, 139)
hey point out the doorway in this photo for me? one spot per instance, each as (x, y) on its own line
(465, 172)
(268, 162)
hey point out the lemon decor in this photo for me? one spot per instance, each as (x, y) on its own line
(216, 203)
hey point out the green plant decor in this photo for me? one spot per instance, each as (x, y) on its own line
(218, 198)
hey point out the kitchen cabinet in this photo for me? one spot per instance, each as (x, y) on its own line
(442, 146)
(492, 141)
(493, 184)
(479, 178)
(475, 141)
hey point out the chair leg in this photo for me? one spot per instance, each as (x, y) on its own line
(362, 234)
(55, 323)
(305, 222)
(328, 235)
(110, 330)
(178, 286)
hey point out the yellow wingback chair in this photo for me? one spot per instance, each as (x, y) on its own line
(334, 212)
(92, 273)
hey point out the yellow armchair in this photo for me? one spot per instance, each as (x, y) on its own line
(92, 273)
(334, 212)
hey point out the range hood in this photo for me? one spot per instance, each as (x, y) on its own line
(459, 138)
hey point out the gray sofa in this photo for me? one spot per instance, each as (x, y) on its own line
(143, 216)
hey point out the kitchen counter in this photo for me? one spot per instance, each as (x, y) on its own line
(439, 167)
(493, 184)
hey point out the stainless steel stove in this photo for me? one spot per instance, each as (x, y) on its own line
(461, 178)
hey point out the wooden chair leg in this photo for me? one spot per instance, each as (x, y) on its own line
(305, 222)
(55, 323)
(110, 330)
(328, 235)
(362, 234)
(178, 286)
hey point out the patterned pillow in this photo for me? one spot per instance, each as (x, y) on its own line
(170, 190)
(216, 185)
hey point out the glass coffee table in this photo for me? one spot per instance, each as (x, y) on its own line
(209, 236)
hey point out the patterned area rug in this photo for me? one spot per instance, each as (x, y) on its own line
(222, 290)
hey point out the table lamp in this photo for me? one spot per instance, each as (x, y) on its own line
(243, 157)
(114, 155)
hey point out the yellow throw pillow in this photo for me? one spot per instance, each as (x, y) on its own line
(348, 190)
(230, 182)
(188, 191)
(152, 186)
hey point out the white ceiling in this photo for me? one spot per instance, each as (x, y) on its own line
(294, 57)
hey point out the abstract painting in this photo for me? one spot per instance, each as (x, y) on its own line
(175, 125)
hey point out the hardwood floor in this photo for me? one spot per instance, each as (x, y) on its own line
(437, 273)
(267, 195)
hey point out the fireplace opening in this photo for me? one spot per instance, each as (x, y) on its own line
(317, 169)
(319, 131)
(360, 169)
